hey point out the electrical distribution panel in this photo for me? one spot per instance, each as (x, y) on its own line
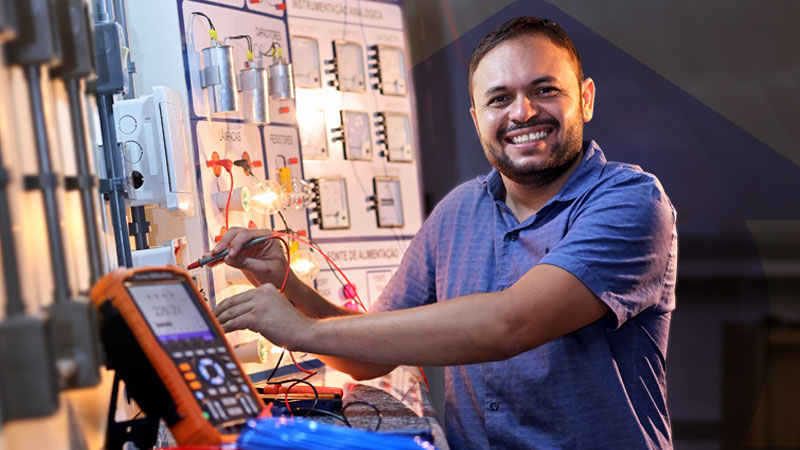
(336, 134)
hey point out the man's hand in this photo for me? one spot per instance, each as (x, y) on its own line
(266, 311)
(261, 263)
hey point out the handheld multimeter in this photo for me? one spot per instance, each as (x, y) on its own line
(164, 342)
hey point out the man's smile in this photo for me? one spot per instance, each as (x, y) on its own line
(528, 134)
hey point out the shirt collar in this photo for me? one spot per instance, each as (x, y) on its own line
(581, 179)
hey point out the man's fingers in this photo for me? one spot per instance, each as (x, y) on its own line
(230, 302)
(235, 313)
(226, 239)
(243, 238)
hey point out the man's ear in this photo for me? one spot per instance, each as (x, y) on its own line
(475, 120)
(587, 99)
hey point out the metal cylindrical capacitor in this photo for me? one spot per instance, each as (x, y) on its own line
(253, 86)
(281, 81)
(219, 78)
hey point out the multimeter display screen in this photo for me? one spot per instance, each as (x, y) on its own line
(170, 311)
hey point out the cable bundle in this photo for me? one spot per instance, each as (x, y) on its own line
(296, 433)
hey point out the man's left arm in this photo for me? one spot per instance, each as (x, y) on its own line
(630, 232)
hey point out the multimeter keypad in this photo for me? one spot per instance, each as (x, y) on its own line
(218, 385)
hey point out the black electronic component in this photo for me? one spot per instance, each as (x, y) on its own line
(75, 34)
(37, 41)
(111, 79)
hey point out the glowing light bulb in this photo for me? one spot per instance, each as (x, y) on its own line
(266, 197)
(305, 265)
(297, 194)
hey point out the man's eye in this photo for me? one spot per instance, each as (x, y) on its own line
(497, 100)
(547, 91)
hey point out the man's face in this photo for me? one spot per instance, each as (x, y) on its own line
(529, 109)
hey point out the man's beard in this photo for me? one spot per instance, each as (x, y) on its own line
(560, 159)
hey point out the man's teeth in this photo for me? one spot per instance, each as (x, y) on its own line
(529, 137)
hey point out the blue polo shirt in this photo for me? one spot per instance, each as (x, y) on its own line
(602, 386)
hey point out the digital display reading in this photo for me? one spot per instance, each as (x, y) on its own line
(170, 311)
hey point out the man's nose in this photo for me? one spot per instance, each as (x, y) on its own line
(522, 109)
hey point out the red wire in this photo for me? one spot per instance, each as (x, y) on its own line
(228, 204)
(310, 372)
(288, 267)
(298, 238)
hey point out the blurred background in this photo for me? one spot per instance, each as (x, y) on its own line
(703, 95)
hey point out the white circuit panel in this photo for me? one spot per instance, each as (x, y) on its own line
(366, 123)
(308, 130)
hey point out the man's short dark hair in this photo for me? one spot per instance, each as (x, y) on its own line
(521, 26)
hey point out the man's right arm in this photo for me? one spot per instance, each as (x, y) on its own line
(265, 263)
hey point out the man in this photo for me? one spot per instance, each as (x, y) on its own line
(546, 287)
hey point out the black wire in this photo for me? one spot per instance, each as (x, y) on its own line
(325, 412)
(210, 24)
(249, 40)
(360, 402)
(274, 369)
(285, 225)
(295, 382)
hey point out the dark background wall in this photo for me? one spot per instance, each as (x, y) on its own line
(704, 95)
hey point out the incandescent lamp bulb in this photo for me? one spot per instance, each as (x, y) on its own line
(266, 197)
(297, 194)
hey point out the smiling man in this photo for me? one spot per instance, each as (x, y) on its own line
(545, 287)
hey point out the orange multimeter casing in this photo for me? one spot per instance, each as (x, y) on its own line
(157, 315)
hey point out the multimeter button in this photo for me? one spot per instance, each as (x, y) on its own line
(196, 385)
(205, 415)
(231, 366)
(203, 366)
(199, 395)
(211, 351)
(199, 352)
(177, 355)
(240, 380)
(235, 411)
(190, 376)
(221, 349)
(212, 391)
(223, 390)
(219, 409)
(245, 406)
(213, 410)
(251, 403)
(228, 401)
(233, 388)
(188, 353)
(185, 367)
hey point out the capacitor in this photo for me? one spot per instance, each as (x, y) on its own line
(253, 86)
(219, 79)
(281, 79)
